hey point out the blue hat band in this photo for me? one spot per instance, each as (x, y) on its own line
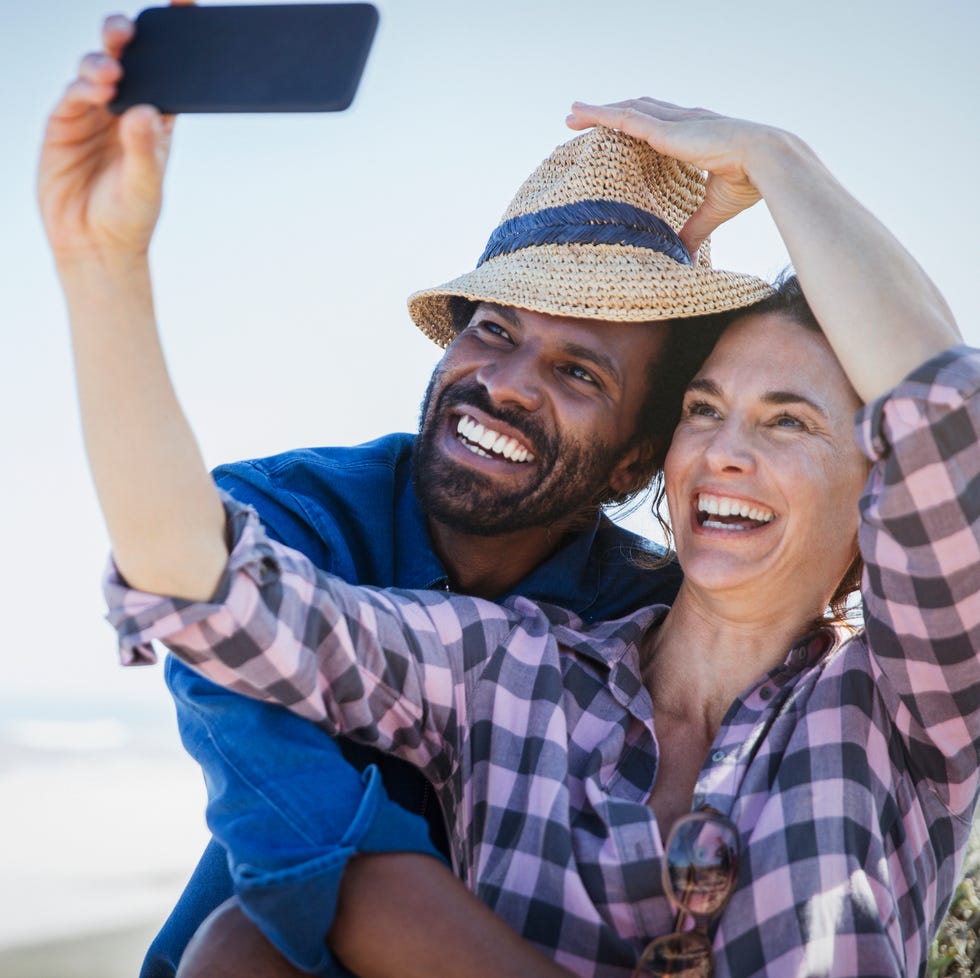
(587, 222)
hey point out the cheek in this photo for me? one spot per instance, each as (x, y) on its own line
(836, 500)
(848, 475)
(453, 363)
(676, 464)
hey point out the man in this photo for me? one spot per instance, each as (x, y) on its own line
(555, 397)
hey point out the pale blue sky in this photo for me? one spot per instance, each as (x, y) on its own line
(288, 244)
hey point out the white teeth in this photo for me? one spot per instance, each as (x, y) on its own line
(715, 525)
(489, 443)
(726, 506)
(469, 429)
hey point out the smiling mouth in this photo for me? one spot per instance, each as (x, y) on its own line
(486, 442)
(727, 513)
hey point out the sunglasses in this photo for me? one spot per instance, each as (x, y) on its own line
(699, 874)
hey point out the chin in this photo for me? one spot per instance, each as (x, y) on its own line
(725, 572)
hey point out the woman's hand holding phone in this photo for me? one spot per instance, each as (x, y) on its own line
(100, 176)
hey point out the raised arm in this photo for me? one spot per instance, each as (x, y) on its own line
(879, 310)
(100, 189)
(100, 183)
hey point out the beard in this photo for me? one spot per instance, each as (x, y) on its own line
(571, 478)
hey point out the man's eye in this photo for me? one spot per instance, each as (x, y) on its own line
(580, 373)
(494, 328)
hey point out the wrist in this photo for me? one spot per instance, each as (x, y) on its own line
(775, 157)
(103, 287)
(95, 267)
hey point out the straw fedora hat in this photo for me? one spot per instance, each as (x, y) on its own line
(592, 233)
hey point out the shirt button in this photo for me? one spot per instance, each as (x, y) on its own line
(766, 692)
(718, 755)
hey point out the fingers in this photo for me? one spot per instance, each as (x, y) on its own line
(95, 86)
(141, 131)
(613, 116)
(708, 141)
(627, 116)
(79, 97)
(117, 32)
(696, 231)
(145, 138)
(99, 69)
(723, 199)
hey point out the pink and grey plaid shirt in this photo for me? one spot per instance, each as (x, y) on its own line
(851, 770)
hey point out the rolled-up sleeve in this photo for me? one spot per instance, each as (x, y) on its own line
(920, 538)
(384, 667)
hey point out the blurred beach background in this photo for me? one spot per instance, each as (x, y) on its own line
(101, 827)
(284, 255)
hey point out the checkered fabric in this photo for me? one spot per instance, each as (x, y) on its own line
(851, 770)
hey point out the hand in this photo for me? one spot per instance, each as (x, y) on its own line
(712, 142)
(100, 176)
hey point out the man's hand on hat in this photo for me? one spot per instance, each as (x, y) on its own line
(100, 175)
(718, 144)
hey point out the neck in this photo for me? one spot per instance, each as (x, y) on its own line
(491, 566)
(706, 652)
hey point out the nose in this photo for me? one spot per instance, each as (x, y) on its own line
(515, 378)
(730, 449)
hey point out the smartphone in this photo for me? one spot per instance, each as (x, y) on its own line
(289, 57)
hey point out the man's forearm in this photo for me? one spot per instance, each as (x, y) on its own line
(407, 915)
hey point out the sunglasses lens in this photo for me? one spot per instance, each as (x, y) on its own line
(685, 955)
(702, 864)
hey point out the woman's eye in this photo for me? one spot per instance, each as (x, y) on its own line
(788, 421)
(701, 409)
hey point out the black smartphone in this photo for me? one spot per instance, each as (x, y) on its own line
(289, 57)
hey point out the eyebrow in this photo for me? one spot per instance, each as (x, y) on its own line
(598, 358)
(706, 386)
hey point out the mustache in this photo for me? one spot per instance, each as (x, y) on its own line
(474, 395)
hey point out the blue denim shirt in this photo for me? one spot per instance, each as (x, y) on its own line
(287, 804)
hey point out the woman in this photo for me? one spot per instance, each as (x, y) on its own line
(851, 810)
(849, 770)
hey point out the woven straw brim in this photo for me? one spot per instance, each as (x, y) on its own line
(618, 283)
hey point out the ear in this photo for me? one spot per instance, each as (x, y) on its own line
(634, 470)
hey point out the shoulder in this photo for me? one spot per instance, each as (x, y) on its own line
(328, 501)
(304, 468)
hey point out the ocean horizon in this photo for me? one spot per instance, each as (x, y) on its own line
(103, 822)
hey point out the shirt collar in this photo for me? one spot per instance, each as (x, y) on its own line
(810, 649)
(416, 563)
(570, 576)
